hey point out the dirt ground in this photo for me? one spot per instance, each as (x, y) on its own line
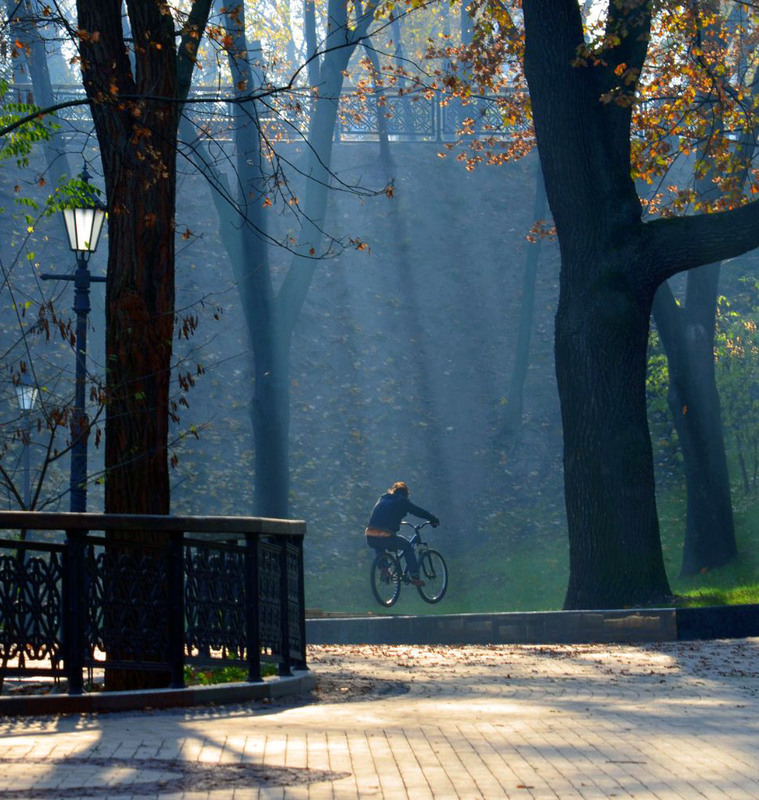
(347, 673)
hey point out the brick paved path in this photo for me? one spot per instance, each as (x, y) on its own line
(664, 721)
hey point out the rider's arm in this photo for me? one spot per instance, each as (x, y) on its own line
(418, 511)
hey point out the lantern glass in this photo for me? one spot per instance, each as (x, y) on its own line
(83, 226)
(26, 394)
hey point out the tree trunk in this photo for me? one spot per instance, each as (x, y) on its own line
(513, 417)
(136, 114)
(37, 60)
(602, 319)
(138, 148)
(247, 245)
(612, 263)
(270, 417)
(615, 552)
(687, 334)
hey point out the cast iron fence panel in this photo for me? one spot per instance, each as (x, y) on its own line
(125, 623)
(31, 606)
(214, 601)
(479, 116)
(295, 630)
(269, 617)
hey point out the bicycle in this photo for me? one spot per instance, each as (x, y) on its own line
(390, 570)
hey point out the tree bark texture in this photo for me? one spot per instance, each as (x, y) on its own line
(138, 149)
(601, 322)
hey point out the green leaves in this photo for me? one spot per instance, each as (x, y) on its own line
(19, 142)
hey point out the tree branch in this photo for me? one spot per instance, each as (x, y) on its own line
(682, 243)
(187, 53)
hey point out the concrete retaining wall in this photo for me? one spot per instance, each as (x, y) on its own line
(540, 627)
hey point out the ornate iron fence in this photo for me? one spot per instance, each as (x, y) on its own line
(406, 116)
(202, 591)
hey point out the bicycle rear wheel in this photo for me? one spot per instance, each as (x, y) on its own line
(385, 579)
(434, 573)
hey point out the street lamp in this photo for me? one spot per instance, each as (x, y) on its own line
(26, 394)
(83, 226)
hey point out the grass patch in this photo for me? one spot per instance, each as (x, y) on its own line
(735, 583)
(210, 676)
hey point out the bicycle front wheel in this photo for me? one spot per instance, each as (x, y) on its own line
(434, 573)
(386, 579)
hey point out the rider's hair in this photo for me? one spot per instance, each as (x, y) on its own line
(399, 487)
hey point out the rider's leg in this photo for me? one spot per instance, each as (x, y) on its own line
(378, 543)
(396, 542)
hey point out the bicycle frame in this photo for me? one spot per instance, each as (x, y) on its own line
(432, 563)
(415, 541)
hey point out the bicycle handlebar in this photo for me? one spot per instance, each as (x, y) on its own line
(418, 527)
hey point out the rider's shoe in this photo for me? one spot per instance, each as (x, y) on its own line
(417, 582)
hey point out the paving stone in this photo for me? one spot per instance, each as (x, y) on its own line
(663, 721)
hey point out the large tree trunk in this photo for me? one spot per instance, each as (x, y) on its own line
(138, 149)
(602, 319)
(687, 333)
(136, 115)
(612, 263)
(601, 335)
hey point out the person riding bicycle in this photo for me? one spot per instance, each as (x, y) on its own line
(385, 522)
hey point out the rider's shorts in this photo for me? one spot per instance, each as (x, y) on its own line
(378, 532)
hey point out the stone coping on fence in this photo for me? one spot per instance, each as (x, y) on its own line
(90, 521)
(99, 702)
(540, 627)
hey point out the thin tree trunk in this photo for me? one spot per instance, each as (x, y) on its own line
(513, 416)
(270, 405)
(687, 334)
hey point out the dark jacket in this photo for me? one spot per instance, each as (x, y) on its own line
(392, 508)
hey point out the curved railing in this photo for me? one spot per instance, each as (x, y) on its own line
(149, 593)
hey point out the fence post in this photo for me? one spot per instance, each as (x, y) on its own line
(252, 624)
(176, 608)
(301, 605)
(73, 621)
(284, 608)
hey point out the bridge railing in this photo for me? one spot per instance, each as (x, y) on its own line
(150, 593)
(405, 116)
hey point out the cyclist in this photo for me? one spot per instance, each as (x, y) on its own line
(385, 522)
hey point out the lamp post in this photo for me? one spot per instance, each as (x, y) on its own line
(26, 394)
(83, 226)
